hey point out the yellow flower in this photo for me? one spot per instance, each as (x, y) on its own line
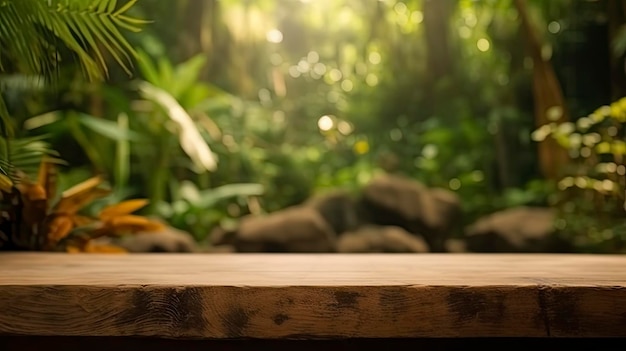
(361, 147)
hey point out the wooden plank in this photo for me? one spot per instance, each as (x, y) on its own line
(278, 296)
(68, 343)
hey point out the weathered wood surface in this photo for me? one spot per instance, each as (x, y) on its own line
(313, 296)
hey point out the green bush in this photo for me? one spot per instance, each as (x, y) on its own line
(591, 193)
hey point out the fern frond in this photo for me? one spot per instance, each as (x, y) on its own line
(22, 157)
(33, 31)
(6, 127)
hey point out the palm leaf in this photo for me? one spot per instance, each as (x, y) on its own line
(22, 157)
(33, 31)
(6, 127)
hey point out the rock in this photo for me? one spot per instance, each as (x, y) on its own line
(168, 240)
(445, 213)
(220, 236)
(519, 229)
(400, 196)
(338, 208)
(380, 239)
(220, 249)
(400, 201)
(456, 245)
(295, 229)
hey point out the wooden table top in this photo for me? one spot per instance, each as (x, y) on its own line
(277, 296)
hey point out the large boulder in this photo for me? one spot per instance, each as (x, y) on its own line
(220, 236)
(518, 229)
(166, 240)
(444, 216)
(295, 229)
(407, 203)
(339, 209)
(373, 238)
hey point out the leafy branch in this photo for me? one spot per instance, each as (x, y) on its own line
(33, 32)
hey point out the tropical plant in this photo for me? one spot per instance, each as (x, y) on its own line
(35, 218)
(198, 211)
(174, 118)
(37, 38)
(36, 35)
(591, 194)
(174, 132)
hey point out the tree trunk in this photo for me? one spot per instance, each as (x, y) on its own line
(548, 98)
(202, 31)
(616, 13)
(437, 34)
(190, 32)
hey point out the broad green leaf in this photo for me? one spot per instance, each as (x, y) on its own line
(148, 68)
(210, 197)
(189, 136)
(166, 73)
(108, 128)
(122, 151)
(187, 74)
(215, 104)
(194, 97)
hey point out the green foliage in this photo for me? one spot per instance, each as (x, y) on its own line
(34, 32)
(199, 210)
(157, 140)
(592, 192)
(36, 38)
(295, 97)
(23, 156)
(169, 124)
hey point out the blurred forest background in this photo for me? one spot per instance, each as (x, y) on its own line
(237, 106)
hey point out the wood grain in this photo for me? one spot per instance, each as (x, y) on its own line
(278, 296)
